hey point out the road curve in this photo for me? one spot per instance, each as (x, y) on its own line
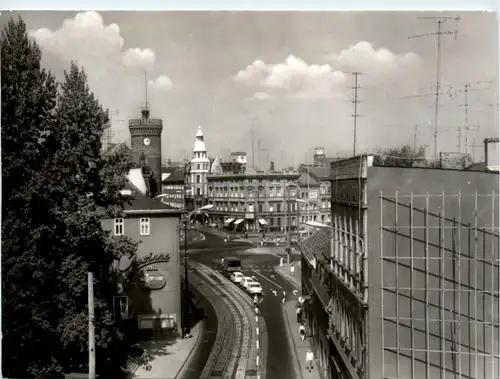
(235, 350)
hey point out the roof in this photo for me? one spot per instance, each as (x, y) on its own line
(175, 177)
(199, 133)
(169, 169)
(144, 204)
(305, 180)
(135, 177)
(317, 245)
(119, 148)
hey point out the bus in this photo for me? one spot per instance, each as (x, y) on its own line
(232, 264)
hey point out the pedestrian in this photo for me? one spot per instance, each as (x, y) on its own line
(225, 241)
(281, 262)
(222, 263)
(309, 360)
(246, 234)
(299, 314)
(292, 269)
(302, 331)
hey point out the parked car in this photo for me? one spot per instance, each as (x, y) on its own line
(254, 288)
(236, 277)
(246, 281)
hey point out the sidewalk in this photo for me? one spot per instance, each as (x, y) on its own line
(290, 318)
(166, 359)
(272, 250)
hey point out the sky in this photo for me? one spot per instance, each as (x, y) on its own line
(289, 74)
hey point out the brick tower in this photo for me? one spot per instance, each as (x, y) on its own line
(145, 136)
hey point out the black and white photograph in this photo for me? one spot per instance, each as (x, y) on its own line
(250, 194)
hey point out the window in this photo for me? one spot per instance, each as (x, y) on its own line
(198, 166)
(198, 191)
(278, 207)
(197, 178)
(145, 226)
(120, 307)
(260, 208)
(119, 227)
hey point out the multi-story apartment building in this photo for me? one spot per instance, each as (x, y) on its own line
(148, 282)
(310, 203)
(322, 176)
(404, 284)
(173, 189)
(255, 200)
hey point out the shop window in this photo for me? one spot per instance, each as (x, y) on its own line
(119, 227)
(145, 228)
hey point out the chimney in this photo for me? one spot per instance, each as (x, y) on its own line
(271, 166)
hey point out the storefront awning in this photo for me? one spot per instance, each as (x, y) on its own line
(262, 221)
(229, 220)
(238, 221)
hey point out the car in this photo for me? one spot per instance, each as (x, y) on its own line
(236, 277)
(254, 288)
(246, 281)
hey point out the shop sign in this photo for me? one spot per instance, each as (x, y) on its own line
(128, 262)
(151, 279)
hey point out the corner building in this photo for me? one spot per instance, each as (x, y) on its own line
(405, 282)
(255, 200)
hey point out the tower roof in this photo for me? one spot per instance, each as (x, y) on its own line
(199, 133)
(199, 145)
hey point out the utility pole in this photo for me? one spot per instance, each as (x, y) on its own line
(440, 21)
(355, 115)
(467, 127)
(253, 143)
(90, 285)
(415, 131)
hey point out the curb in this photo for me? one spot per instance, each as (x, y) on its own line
(201, 330)
(287, 278)
(296, 364)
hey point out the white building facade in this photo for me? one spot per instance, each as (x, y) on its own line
(200, 167)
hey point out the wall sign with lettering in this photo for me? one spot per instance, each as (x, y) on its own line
(128, 262)
(151, 280)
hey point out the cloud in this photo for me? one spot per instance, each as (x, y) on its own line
(162, 82)
(261, 96)
(296, 78)
(115, 74)
(377, 63)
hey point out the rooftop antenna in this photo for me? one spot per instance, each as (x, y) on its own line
(145, 108)
(438, 33)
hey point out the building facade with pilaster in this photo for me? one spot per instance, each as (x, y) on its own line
(254, 200)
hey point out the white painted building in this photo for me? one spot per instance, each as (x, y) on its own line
(200, 167)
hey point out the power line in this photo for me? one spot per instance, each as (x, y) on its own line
(440, 21)
(355, 101)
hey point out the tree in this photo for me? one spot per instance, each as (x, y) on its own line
(53, 203)
(28, 103)
(404, 156)
(81, 196)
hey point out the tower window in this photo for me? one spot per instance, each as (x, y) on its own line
(198, 191)
(197, 178)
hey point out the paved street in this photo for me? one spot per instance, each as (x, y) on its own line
(261, 263)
